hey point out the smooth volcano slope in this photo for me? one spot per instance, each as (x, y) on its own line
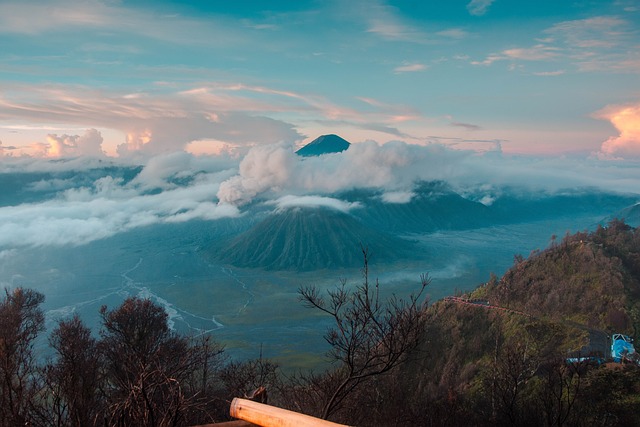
(305, 239)
(433, 207)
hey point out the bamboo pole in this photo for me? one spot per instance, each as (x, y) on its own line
(270, 416)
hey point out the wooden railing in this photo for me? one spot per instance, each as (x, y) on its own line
(250, 413)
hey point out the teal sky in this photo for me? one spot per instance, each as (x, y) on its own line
(146, 77)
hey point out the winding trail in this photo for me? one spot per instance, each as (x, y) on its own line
(598, 339)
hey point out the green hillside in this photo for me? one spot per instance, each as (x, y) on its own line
(500, 359)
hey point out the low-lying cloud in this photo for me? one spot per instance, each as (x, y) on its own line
(272, 171)
(397, 197)
(110, 206)
(178, 187)
(290, 201)
(365, 165)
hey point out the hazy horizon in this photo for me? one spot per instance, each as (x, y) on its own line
(133, 79)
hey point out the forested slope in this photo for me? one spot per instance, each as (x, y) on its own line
(480, 364)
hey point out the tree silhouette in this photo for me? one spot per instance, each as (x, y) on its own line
(74, 379)
(369, 336)
(148, 368)
(21, 320)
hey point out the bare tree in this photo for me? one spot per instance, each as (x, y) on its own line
(370, 337)
(243, 378)
(73, 380)
(202, 384)
(561, 381)
(21, 320)
(148, 368)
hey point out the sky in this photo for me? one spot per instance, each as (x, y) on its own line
(137, 79)
(210, 99)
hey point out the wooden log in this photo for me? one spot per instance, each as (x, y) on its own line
(270, 416)
(238, 423)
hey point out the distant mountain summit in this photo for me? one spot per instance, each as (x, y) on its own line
(324, 144)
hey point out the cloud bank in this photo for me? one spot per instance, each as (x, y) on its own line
(178, 187)
(109, 206)
(85, 215)
(272, 171)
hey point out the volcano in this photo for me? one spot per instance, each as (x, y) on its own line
(325, 144)
(305, 239)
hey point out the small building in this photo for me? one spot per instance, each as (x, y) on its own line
(622, 348)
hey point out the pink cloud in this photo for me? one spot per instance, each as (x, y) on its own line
(626, 119)
(89, 144)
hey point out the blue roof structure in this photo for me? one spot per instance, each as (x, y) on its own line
(621, 347)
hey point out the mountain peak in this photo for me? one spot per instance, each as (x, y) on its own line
(324, 144)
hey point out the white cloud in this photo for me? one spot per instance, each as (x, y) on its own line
(538, 52)
(399, 197)
(385, 22)
(479, 7)
(394, 167)
(29, 17)
(595, 32)
(549, 73)
(291, 201)
(75, 164)
(37, 17)
(599, 43)
(160, 169)
(263, 168)
(51, 185)
(410, 68)
(487, 200)
(178, 187)
(83, 214)
(489, 59)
